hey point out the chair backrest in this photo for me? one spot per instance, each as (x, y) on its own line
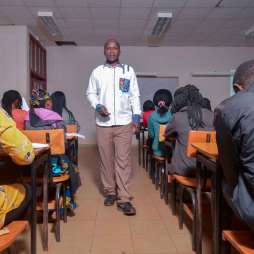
(199, 137)
(54, 137)
(161, 132)
(71, 128)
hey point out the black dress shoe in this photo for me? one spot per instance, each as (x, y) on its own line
(127, 208)
(109, 200)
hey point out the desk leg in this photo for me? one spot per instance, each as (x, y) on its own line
(199, 209)
(45, 205)
(33, 212)
(216, 200)
(139, 150)
(143, 150)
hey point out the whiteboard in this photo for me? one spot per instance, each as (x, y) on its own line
(149, 85)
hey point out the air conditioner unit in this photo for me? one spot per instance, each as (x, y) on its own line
(47, 21)
(250, 32)
(161, 24)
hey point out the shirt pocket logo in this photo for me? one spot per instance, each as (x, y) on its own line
(124, 85)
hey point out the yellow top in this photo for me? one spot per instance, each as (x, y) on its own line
(13, 142)
(11, 197)
(19, 148)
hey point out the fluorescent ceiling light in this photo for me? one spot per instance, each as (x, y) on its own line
(46, 17)
(249, 32)
(162, 23)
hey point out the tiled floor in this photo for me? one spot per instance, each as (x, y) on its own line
(103, 230)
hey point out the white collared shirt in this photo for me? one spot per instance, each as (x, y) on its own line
(117, 89)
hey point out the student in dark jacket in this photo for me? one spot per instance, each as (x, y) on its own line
(189, 115)
(234, 124)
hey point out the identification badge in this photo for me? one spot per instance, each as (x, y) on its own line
(124, 85)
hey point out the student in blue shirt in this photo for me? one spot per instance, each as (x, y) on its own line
(162, 100)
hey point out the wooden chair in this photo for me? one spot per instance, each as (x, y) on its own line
(189, 184)
(242, 241)
(158, 165)
(56, 140)
(15, 229)
(72, 148)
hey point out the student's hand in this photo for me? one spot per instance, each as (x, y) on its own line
(102, 110)
(136, 128)
(135, 123)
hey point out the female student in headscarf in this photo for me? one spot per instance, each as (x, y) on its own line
(188, 115)
(41, 114)
(162, 100)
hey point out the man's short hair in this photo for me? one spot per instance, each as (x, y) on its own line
(112, 40)
(244, 75)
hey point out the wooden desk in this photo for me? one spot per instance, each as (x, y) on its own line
(208, 149)
(41, 159)
(207, 155)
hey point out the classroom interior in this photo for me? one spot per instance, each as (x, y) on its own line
(203, 43)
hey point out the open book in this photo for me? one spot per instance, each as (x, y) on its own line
(39, 145)
(73, 134)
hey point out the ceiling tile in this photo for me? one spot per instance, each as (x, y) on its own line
(189, 13)
(17, 11)
(234, 3)
(4, 20)
(77, 12)
(210, 25)
(106, 23)
(72, 3)
(103, 3)
(74, 32)
(11, 3)
(125, 23)
(135, 13)
(137, 3)
(224, 13)
(238, 24)
(201, 3)
(48, 3)
(77, 23)
(246, 13)
(102, 13)
(169, 3)
(107, 32)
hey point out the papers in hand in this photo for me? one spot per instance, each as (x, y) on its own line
(73, 134)
(39, 145)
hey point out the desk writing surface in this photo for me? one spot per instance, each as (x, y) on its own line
(37, 151)
(208, 149)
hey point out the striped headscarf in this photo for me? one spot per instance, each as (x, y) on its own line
(39, 97)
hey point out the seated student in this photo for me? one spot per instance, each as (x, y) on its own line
(148, 109)
(42, 117)
(12, 103)
(234, 125)
(162, 100)
(206, 104)
(189, 115)
(14, 197)
(59, 106)
(41, 114)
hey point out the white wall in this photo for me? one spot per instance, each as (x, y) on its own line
(14, 59)
(69, 69)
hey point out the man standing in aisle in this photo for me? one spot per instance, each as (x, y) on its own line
(114, 94)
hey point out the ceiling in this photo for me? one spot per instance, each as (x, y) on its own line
(90, 22)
